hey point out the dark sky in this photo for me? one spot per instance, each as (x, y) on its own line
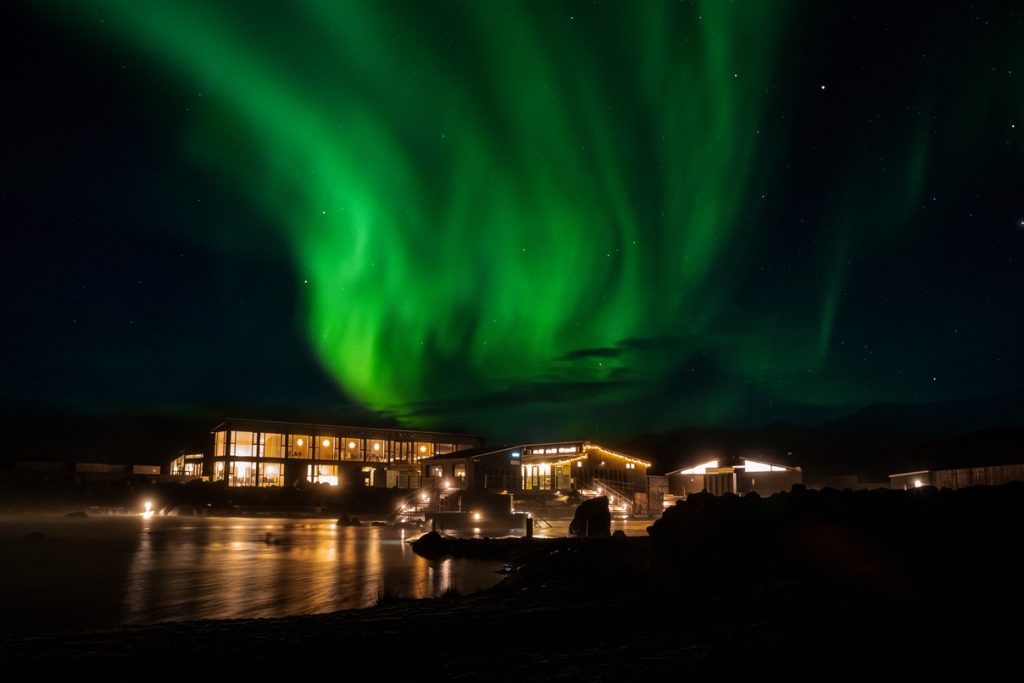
(537, 219)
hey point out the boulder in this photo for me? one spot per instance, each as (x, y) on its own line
(592, 519)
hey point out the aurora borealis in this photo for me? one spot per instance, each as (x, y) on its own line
(539, 218)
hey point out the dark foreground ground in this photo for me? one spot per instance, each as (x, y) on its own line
(812, 583)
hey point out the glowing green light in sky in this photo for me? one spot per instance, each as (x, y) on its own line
(489, 199)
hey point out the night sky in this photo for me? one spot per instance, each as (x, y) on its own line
(535, 219)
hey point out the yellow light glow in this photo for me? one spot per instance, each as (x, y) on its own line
(426, 498)
(755, 466)
(376, 446)
(579, 463)
(351, 444)
(476, 516)
(299, 442)
(423, 449)
(604, 451)
(701, 468)
(326, 442)
(149, 506)
(917, 484)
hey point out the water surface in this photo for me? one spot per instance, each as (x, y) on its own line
(104, 572)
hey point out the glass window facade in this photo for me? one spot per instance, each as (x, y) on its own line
(243, 444)
(246, 455)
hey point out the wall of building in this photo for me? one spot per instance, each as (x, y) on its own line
(767, 483)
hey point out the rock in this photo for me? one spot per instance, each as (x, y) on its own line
(592, 519)
(430, 545)
(345, 520)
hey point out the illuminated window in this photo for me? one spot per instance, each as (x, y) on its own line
(189, 465)
(326, 448)
(272, 474)
(242, 474)
(375, 450)
(299, 446)
(272, 446)
(220, 444)
(242, 444)
(323, 474)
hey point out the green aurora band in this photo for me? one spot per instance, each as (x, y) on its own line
(496, 209)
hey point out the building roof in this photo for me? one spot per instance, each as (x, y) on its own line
(730, 461)
(583, 448)
(309, 427)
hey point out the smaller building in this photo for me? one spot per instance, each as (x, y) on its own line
(562, 466)
(993, 475)
(188, 465)
(742, 475)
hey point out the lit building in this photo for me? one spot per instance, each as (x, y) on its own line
(722, 474)
(993, 475)
(267, 453)
(188, 465)
(563, 466)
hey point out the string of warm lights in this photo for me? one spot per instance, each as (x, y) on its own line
(615, 454)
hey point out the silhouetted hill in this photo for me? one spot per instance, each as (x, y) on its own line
(875, 441)
(904, 422)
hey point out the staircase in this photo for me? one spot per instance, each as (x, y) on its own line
(530, 507)
(620, 498)
(430, 497)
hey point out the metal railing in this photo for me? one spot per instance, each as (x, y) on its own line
(604, 487)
